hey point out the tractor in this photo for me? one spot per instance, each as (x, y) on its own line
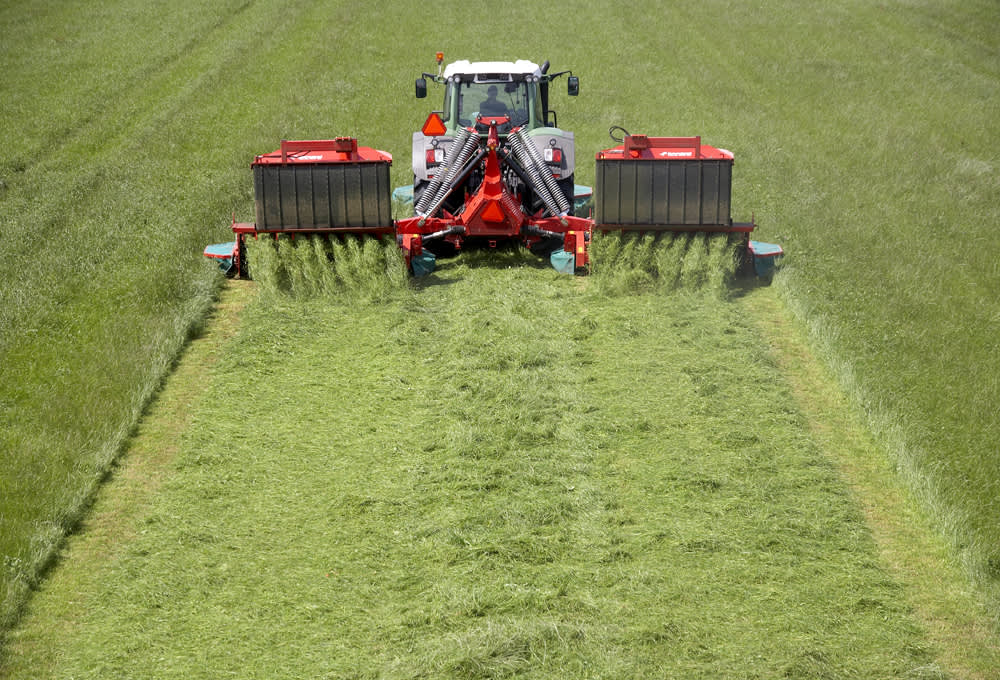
(492, 167)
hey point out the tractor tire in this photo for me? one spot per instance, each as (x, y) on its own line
(243, 271)
(419, 185)
(546, 246)
(568, 186)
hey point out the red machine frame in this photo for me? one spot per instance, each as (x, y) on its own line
(494, 213)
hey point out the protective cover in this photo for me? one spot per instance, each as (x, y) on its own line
(664, 183)
(563, 262)
(322, 185)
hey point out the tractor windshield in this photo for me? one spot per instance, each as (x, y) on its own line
(517, 99)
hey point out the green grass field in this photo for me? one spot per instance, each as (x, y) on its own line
(865, 137)
(483, 501)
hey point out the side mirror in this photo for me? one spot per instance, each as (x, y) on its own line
(421, 88)
(573, 85)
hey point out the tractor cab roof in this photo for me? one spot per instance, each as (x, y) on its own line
(492, 71)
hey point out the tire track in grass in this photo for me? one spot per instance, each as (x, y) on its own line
(498, 473)
(117, 84)
(106, 148)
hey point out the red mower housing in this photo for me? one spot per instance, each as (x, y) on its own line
(665, 184)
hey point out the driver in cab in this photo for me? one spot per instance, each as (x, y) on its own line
(492, 106)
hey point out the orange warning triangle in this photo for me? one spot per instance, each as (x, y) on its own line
(433, 126)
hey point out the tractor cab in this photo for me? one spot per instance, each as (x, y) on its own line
(518, 90)
(471, 101)
(477, 92)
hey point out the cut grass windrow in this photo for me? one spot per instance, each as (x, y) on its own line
(500, 471)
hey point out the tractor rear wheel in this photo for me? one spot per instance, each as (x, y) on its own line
(418, 190)
(568, 187)
(244, 269)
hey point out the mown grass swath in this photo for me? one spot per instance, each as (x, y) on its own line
(528, 476)
(126, 157)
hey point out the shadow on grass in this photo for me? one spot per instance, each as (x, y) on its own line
(449, 268)
(743, 283)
